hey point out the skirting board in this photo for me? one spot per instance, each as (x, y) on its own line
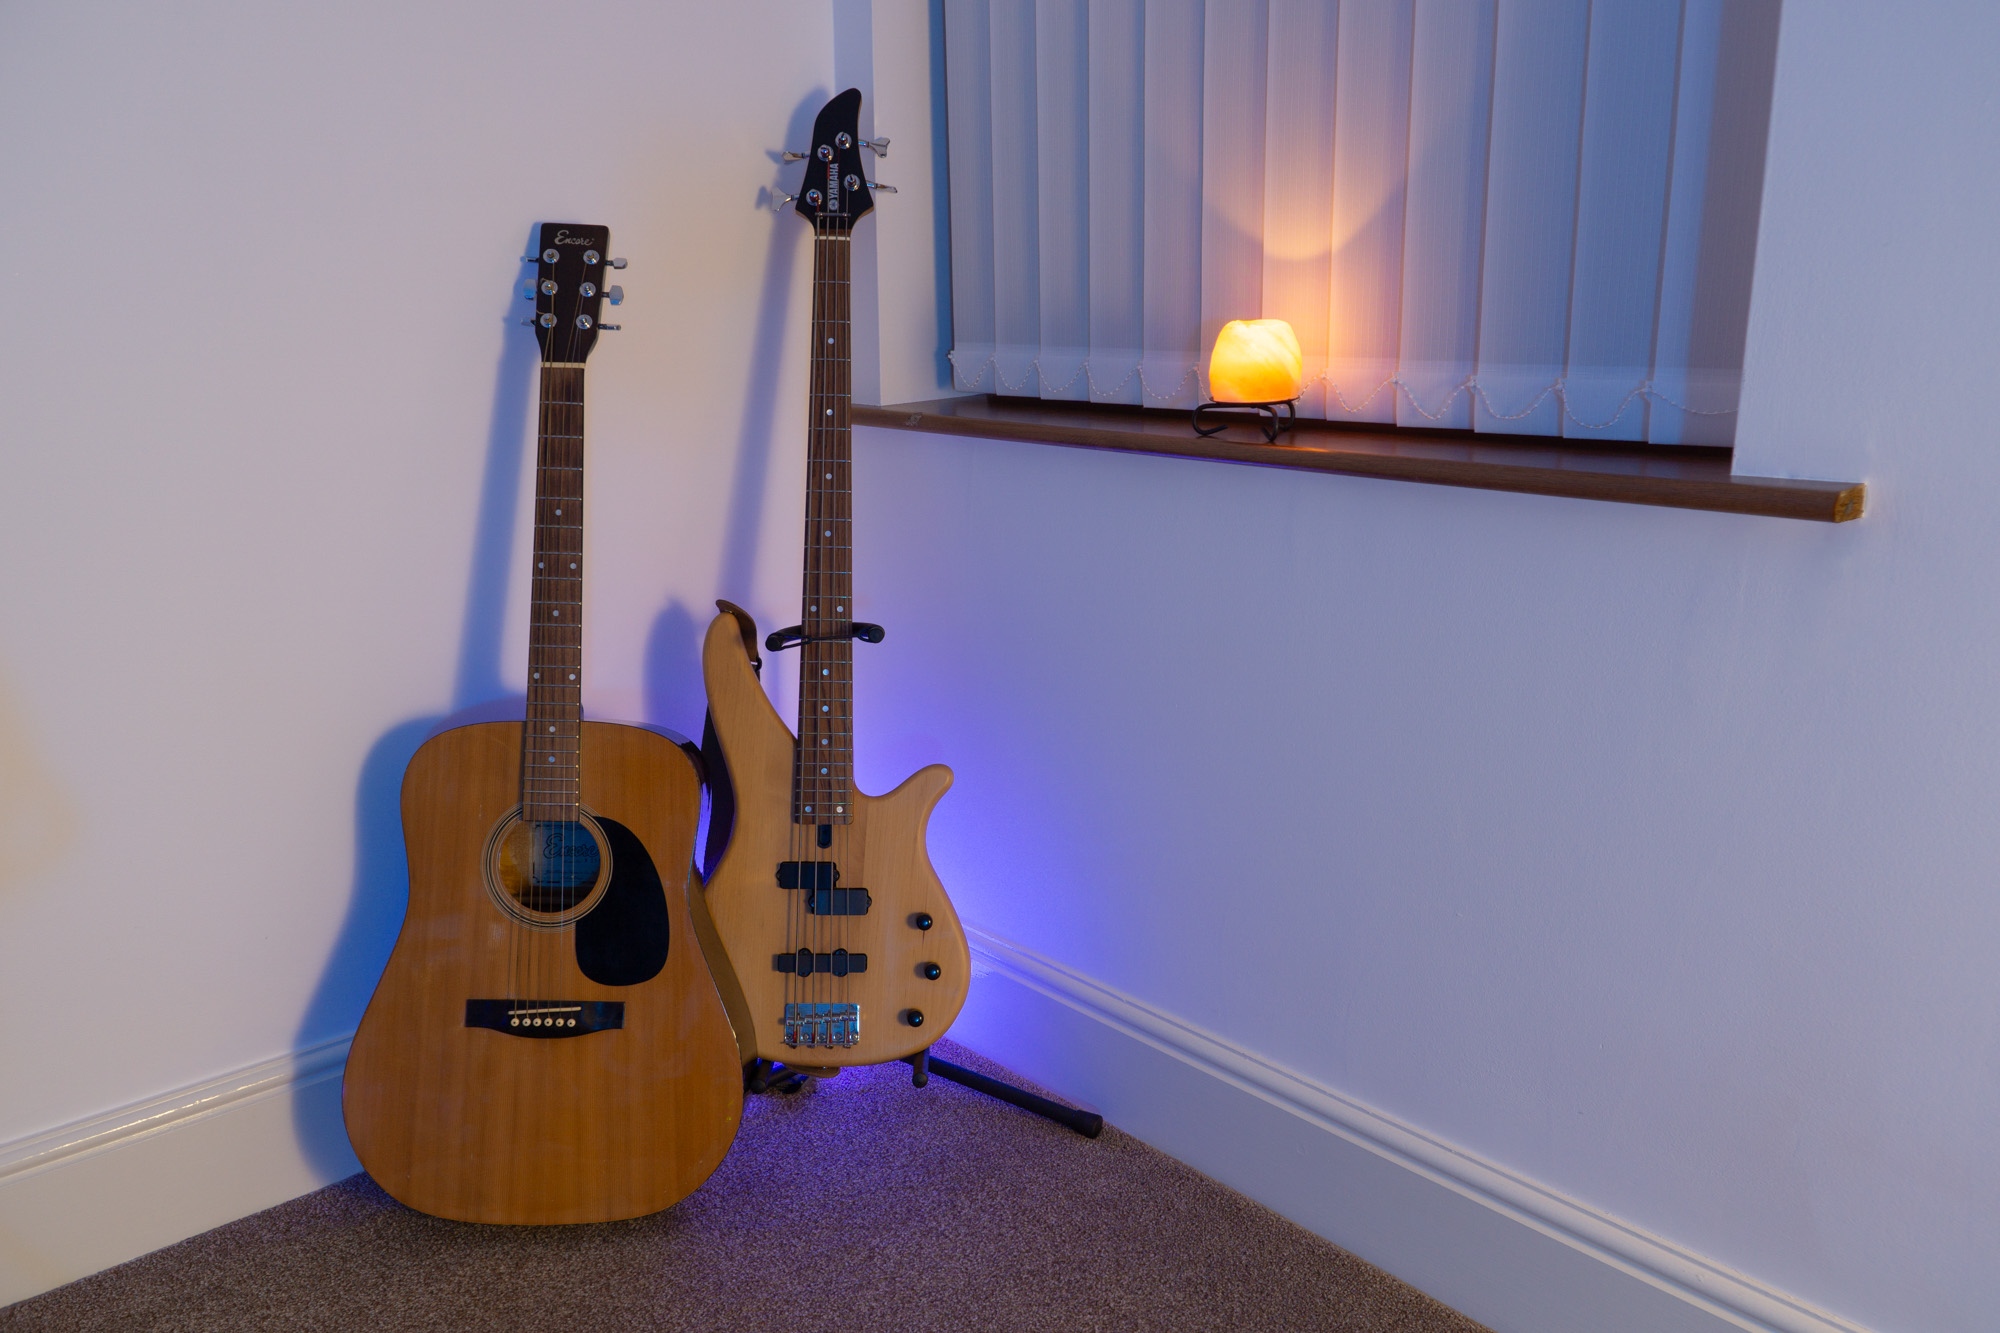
(1511, 1253)
(85, 1196)
(1505, 1250)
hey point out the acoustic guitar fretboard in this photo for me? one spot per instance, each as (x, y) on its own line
(550, 744)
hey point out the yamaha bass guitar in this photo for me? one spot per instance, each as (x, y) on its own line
(845, 946)
(547, 1043)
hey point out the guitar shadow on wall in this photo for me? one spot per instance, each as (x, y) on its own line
(479, 693)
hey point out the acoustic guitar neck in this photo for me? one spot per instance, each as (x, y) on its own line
(551, 744)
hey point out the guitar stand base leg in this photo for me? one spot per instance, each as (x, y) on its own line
(767, 1076)
(923, 1064)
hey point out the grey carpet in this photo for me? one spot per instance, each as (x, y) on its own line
(859, 1204)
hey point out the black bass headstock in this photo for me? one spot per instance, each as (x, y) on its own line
(835, 193)
(569, 289)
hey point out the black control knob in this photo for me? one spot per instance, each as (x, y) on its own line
(914, 1017)
(922, 920)
(930, 971)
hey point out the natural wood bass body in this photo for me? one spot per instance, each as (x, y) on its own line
(882, 849)
(485, 1126)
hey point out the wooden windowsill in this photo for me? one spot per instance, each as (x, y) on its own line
(1681, 477)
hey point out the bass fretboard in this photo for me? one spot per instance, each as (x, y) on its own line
(823, 780)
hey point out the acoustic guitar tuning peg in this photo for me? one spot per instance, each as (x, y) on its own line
(616, 263)
(880, 188)
(881, 146)
(615, 295)
(789, 156)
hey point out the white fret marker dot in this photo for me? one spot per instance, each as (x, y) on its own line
(838, 808)
(822, 708)
(558, 513)
(572, 564)
(829, 411)
(822, 770)
(829, 340)
(551, 728)
(552, 759)
(824, 672)
(829, 476)
(822, 742)
(538, 675)
(826, 532)
(540, 565)
(555, 613)
(572, 677)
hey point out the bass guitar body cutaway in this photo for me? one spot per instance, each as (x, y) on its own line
(545, 1047)
(845, 945)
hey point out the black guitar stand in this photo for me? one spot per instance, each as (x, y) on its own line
(770, 1076)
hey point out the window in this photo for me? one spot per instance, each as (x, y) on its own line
(1523, 216)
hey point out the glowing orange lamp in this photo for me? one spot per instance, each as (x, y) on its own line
(1256, 364)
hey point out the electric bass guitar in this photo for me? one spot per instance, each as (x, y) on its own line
(547, 1043)
(844, 944)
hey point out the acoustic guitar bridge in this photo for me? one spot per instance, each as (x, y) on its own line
(822, 1024)
(545, 1018)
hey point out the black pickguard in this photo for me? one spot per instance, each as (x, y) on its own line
(623, 941)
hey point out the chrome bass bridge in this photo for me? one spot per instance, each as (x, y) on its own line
(822, 1024)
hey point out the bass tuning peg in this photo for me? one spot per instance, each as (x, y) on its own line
(881, 146)
(880, 188)
(789, 156)
(611, 328)
(779, 199)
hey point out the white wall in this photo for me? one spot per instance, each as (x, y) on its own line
(266, 440)
(1647, 855)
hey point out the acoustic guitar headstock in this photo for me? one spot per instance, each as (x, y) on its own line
(569, 289)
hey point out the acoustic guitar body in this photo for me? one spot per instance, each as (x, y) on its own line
(580, 1072)
(880, 850)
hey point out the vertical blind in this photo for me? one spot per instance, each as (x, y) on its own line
(1529, 216)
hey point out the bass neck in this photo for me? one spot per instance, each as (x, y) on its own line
(823, 776)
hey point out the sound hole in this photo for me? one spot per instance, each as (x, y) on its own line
(547, 872)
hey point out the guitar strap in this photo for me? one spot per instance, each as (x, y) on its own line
(715, 769)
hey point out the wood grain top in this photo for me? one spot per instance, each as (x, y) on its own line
(1682, 477)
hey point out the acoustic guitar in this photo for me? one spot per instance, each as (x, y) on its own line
(844, 944)
(547, 1043)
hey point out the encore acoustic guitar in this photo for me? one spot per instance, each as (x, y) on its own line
(547, 1043)
(844, 943)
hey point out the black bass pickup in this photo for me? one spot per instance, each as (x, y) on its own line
(791, 635)
(821, 880)
(805, 962)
